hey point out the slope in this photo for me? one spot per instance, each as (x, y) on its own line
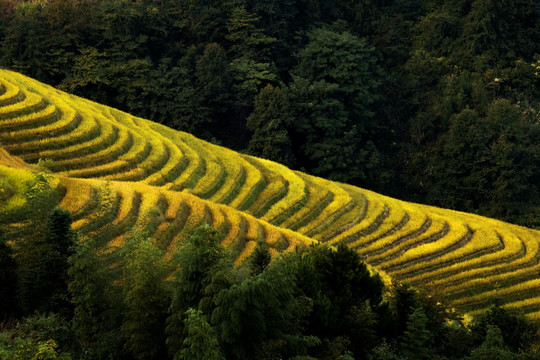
(120, 172)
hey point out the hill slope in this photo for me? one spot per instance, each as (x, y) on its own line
(118, 172)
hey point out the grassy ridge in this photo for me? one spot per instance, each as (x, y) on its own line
(121, 173)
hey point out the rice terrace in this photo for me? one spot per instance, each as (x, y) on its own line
(114, 171)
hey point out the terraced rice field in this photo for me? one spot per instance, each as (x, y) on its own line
(119, 173)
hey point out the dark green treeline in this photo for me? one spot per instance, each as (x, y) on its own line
(435, 101)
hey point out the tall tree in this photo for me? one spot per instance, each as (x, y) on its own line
(493, 347)
(269, 123)
(257, 313)
(333, 88)
(201, 340)
(199, 262)
(416, 340)
(97, 304)
(8, 282)
(145, 299)
(43, 282)
(518, 333)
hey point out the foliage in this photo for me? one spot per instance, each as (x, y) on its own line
(517, 333)
(201, 341)
(8, 281)
(145, 299)
(36, 337)
(260, 259)
(96, 314)
(43, 270)
(333, 88)
(202, 272)
(416, 340)
(270, 120)
(493, 347)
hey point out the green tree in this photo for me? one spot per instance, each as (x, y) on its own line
(487, 164)
(38, 337)
(201, 262)
(493, 347)
(201, 82)
(145, 299)
(333, 88)
(8, 281)
(416, 340)
(257, 313)
(43, 276)
(201, 340)
(269, 122)
(260, 259)
(97, 304)
(503, 28)
(385, 351)
(518, 333)
(247, 40)
(345, 298)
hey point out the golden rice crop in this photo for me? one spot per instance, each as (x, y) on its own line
(315, 196)
(275, 189)
(295, 194)
(481, 284)
(294, 239)
(11, 91)
(78, 193)
(254, 229)
(7, 159)
(126, 201)
(238, 226)
(246, 253)
(343, 219)
(396, 214)
(415, 242)
(16, 179)
(456, 233)
(341, 199)
(95, 163)
(392, 249)
(66, 123)
(195, 167)
(108, 204)
(101, 135)
(470, 249)
(532, 286)
(175, 157)
(213, 177)
(529, 302)
(490, 263)
(218, 218)
(28, 119)
(374, 210)
(253, 178)
(414, 224)
(235, 179)
(62, 146)
(30, 100)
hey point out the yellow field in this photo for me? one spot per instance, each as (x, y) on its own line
(117, 174)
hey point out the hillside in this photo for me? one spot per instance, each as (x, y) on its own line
(117, 172)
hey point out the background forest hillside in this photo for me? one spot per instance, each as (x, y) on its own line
(430, 101)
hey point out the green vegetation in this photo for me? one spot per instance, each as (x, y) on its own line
(124, 238)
